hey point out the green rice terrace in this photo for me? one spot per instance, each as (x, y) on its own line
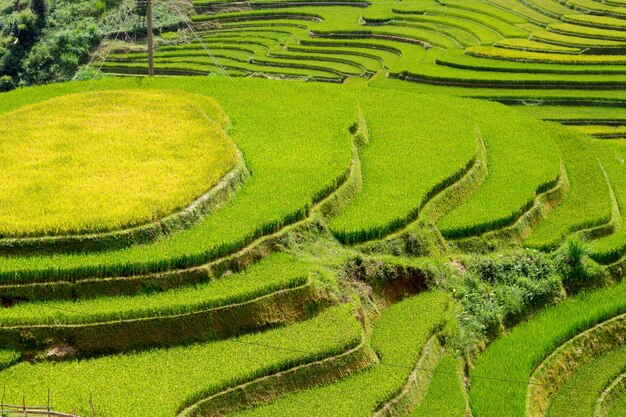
(316, 208)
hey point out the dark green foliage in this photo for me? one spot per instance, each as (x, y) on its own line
(497, 291)
(6, 83)
(40, 8)
(56, 57)
(141, 8)
(579, 272)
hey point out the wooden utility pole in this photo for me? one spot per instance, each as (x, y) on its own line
(150, 38)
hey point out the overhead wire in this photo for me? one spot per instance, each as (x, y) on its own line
(193, 31)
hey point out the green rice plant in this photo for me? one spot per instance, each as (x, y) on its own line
(311, 135)
(373, 53)
(8, 358)
(445, 396)
(469, 62)
(588, 202)
(587, 384)
(115, 174)
(585, 31)
(259, 15)
(549, 7)
(276, 272)
(516, 96)
(523, 10)
(398, 338)
(510, 187)
(206, 65)
(442, 75)
(423, 36)
(509, 15)
(576, 41)
(461, 36)
(398, 178)
(530, 45)
(578, 114)
(595, 21)
(161, 382)
(612, 402)
(477, 31)
(602, 131)
(528, 56)
(497, 24)
(613, 247)
(529, 343)
(598, 8)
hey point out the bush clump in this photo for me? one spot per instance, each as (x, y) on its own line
(495, 292)
(579, 272)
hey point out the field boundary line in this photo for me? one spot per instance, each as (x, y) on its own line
(416, 386)
(278, 308)
(554, 370)
(327, 202)
(212, 200)
(443, 201)
(270, 387)
(521, 227)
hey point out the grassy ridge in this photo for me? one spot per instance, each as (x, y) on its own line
(278, 271)
(528, 56)
(311, 136)
(398, 337)
(445, 397)
(588, 202)
(398, 176)
(522, 159)
(160, 382)
(611, 248)
(529, 343)
(587, 384)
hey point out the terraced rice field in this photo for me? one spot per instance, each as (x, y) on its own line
(324, 208)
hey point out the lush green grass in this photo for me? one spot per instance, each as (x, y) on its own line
(522, 159)
(445, 396)
(602, 130)
(619, 408)
(311, 136)
(276, 272)
(446, 75)
(585, 31)
(398, 174)
(530, 45)
(613, 247)
(576, 114)
(587, 384)
(8, 358)
(515, 356)
(588, 201)
(160, 382)
(398, 338)
(464, 61)
(597, 21)
(87, 174)
(529, 56)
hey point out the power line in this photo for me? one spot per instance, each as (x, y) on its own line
(188, 24)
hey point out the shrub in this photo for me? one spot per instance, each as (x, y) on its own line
(497, 291)
(579, 272)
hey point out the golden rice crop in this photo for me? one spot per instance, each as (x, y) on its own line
(104, 160)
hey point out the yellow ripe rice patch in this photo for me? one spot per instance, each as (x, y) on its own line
(100, 161)
(601, 130)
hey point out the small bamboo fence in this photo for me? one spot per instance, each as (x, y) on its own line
(8, 410)
(11, 410)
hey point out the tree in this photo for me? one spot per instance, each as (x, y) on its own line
(40, 8)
